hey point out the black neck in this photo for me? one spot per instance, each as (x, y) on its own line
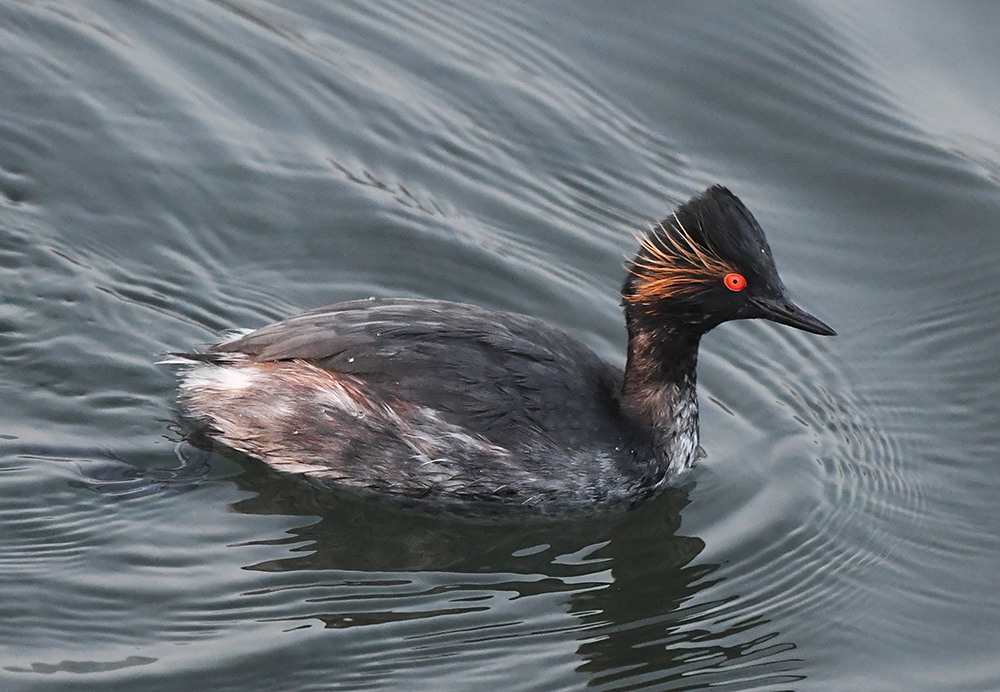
(660, 356)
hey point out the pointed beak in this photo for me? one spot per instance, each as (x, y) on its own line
(786, 312)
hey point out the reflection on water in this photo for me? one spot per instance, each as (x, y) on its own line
(622, 586)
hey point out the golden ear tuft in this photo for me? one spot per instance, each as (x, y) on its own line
(670, 262)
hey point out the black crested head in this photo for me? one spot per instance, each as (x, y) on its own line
(706, 264)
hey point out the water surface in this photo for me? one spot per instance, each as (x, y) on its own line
(168, 172)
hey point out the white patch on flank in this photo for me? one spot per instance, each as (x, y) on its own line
(335, 394)
(292, 466)
(220, 377)
(443, 442)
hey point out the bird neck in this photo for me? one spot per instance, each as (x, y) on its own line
(659, 388)
(659, 356)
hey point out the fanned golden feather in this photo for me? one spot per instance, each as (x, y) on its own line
(671, 262)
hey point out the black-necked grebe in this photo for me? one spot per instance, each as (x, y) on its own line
(457, 405)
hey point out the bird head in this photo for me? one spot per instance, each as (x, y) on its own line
(708, 263)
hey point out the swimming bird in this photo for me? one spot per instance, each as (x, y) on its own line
(454, 405)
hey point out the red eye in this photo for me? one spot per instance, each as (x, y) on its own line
(734, 282)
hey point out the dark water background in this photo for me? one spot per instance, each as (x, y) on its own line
(170, 170)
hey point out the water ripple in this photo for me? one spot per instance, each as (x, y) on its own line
(820, 498)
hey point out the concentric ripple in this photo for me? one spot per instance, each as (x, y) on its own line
(822, 482)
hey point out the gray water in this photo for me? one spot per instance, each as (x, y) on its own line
(172, 170)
